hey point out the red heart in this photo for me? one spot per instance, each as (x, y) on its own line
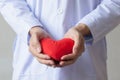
(56, 49)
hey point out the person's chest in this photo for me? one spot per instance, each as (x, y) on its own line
(66, 4)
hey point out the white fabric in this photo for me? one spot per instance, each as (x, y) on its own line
(56, 17)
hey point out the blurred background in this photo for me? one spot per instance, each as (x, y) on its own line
(6, 42)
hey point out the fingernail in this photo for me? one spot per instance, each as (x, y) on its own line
(62, 58)
(38, 49)
(47, 57)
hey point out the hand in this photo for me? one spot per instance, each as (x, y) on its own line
(38, 33)
(76, 33)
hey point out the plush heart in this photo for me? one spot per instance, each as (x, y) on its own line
(57, 48)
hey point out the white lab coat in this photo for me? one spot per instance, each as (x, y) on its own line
(56, 17)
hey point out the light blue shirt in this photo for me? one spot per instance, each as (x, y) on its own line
(56, 17)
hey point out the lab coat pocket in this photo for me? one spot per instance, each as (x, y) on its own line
(36, 72)
(37, 68)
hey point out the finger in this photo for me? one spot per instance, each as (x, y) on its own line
(79, 45)
(38, 48)
(35, 46)
(76, 45)
(43, 56)
(47, 62)
(65, 63)
(36, 53)
(39, 55)
(78, 51)
(68, 57)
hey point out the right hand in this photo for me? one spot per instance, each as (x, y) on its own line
(38, 33)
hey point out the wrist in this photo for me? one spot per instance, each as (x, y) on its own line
(35, 30)
(83, 29)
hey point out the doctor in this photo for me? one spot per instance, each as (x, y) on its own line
(85, 21)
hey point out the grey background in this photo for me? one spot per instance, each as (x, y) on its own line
(6, 41)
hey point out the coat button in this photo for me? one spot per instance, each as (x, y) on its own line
(60, 11)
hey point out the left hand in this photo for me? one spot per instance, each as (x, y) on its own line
(78, 47)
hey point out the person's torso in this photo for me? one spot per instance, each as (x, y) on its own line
(57, 16)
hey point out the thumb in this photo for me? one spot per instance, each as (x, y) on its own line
(35, 43)
(38, 49)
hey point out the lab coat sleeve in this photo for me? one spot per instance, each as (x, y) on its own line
(19, 16)
(103, 19)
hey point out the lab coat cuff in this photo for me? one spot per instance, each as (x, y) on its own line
(25, 34)
(90, 22)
